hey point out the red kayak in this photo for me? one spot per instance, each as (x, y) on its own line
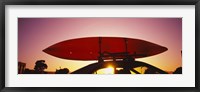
(91, 48)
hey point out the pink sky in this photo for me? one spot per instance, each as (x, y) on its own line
(36, 34)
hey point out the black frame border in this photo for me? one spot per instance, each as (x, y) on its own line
(3, 3)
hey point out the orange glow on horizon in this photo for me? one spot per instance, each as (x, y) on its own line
(108, 70)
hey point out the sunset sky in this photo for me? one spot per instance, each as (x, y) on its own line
(36, 34)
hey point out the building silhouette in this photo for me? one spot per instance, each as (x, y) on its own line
(21, 67)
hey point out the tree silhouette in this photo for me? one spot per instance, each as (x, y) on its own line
(40, 66)
(62, 71)
(178, 70)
